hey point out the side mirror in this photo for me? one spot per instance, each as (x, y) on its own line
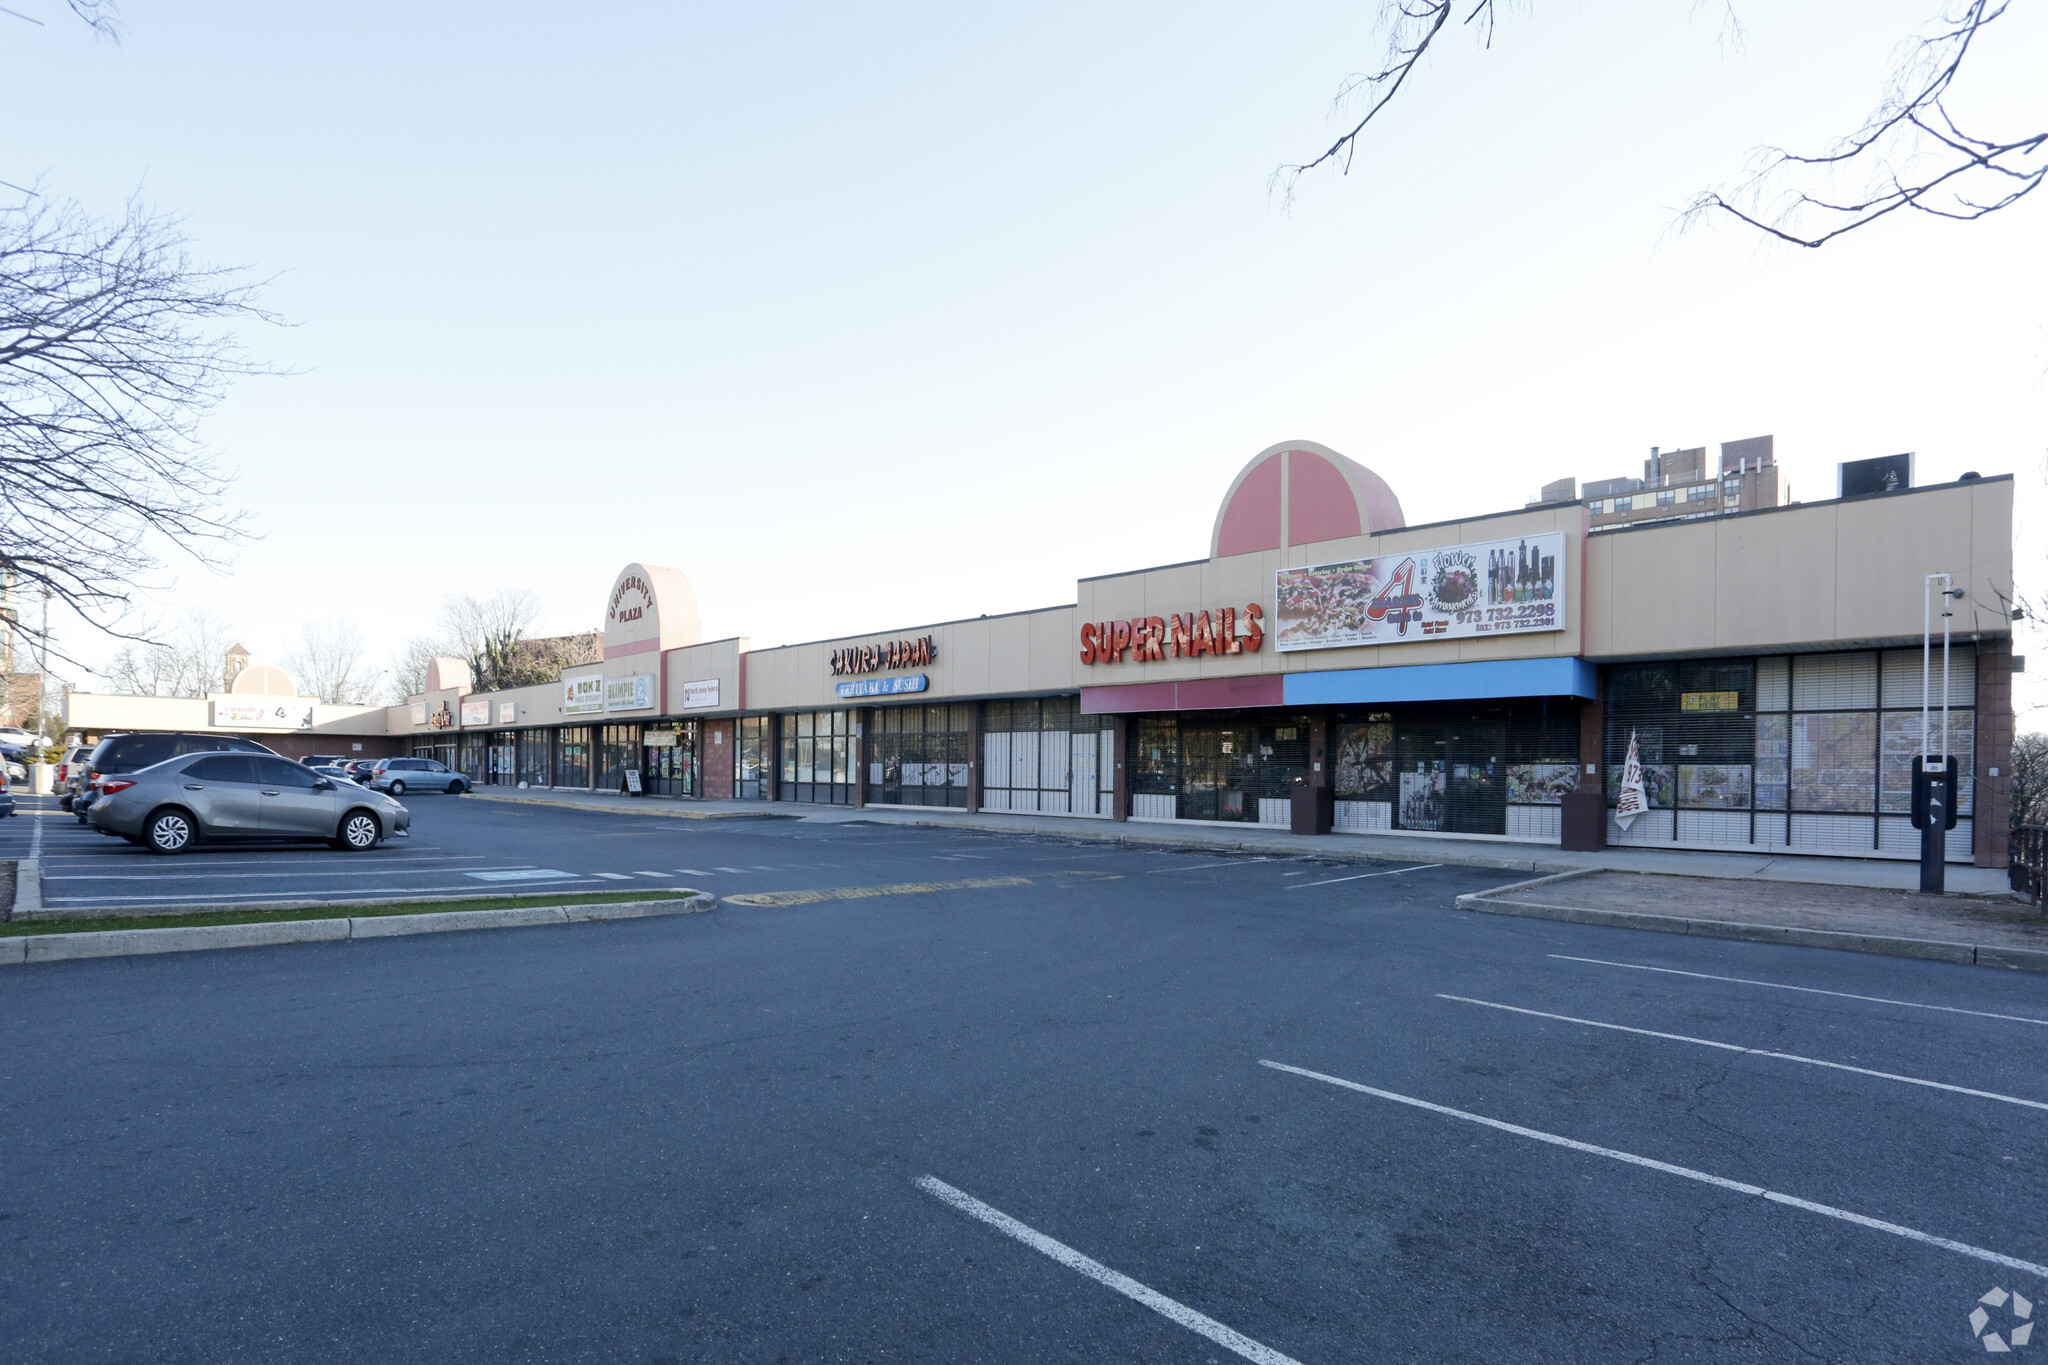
(324, 785)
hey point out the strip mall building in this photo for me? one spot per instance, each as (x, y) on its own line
(1468, 678)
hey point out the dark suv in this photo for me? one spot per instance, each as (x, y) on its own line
(119, 754)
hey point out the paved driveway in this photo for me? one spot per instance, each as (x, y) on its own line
(1027, 1118)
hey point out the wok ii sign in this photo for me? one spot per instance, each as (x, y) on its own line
(1227, 630)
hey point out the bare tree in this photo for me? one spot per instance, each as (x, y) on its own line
(114, 345)
(1909, 154)
(408, 673)
(2028, 786)
(328, 663)
(189, 661)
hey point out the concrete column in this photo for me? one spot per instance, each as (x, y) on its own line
(974, 755)
(857, 753)
(771, 762)
(1120, 798)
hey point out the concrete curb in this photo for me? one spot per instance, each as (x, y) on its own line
(46, 916)
(665, 812)
(23, 948)
(1968, 954)
(28, 889)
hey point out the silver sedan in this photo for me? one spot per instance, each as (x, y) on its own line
(169, 806)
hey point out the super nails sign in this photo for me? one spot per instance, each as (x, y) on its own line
(892, 654)
(1227, 630)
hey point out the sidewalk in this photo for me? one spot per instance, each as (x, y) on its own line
(1509, 857)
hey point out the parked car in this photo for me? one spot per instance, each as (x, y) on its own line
(229, 796)
(14, 762)
(322, 760)
(14, 737)
(400, 775)
(333, 771)
(359, 768)
(6, 797)
(118, 755)
(73, 762)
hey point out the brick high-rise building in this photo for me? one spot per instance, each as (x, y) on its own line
(1676, 485)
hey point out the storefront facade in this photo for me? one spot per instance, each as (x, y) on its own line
(1464, 678)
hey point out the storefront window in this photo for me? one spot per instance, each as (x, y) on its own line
(618, 748)
(816, 757)
(502, 760)
(1040, 754)
(917, 755)
(669, 758)
(751, 759)
(572, 756)
(469, 751)
(1811, 752)
(536, 751)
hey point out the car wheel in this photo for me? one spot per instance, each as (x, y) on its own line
(398, 788)
(457, 787)
(359, 832)
(168, 832)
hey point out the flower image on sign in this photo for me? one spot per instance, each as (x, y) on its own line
(629, 694)
(1493, 587)
(582, 696)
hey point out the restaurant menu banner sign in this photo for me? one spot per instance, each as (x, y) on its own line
(1491, 587)
(476, 712)
(269, 713)
(629, 694)
(582, 696)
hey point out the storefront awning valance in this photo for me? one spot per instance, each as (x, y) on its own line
(1555, 677)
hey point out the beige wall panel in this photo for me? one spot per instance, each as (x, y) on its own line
(1777, 579)
(715, 659)
(1055, 646)
(1661, 587)
(1884, 550)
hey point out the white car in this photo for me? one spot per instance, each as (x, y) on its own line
(15, 735)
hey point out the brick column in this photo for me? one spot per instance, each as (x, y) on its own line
(1991, 812)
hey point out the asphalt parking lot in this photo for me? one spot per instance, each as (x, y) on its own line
(1036, 1116)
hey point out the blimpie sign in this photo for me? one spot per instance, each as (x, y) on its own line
(887, 656)
(1186, 636)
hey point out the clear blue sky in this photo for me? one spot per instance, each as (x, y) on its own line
(864, 317)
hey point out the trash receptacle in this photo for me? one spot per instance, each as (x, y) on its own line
(1315, 809)
(41, 778)
(1584, 822)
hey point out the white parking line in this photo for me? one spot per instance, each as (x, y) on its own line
(1197, 867)
(1752, 1051)
(695, 872)
(339, 898)
(1303, 886)
(740, 870)
(1167, 1308)
(1722, 1182)
(663, 875)
(1808, 990)
(612, 876)
(199, 871)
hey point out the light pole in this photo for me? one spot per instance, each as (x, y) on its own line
(1935, 784)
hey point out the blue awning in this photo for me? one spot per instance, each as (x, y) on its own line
(1552, 677)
